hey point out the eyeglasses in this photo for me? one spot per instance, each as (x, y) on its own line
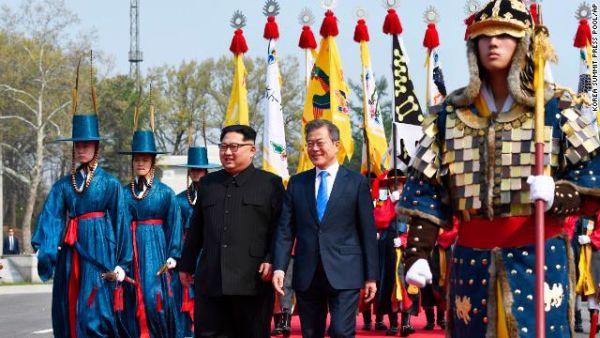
(234, 147)
(311, 144)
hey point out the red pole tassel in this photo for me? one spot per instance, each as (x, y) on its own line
(307, 39)
(92, 296)
(271, 29)
(432, 37)
(159, 305)
(361, 32)
(329, 26)
(392, 24)
(583, 37)
(118, 299)
(169, 283)
(533, 9)
(469, 21)
(238, 43)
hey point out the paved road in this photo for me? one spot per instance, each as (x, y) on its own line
(27, 315)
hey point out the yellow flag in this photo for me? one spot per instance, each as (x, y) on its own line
(237, 109)
(375, 133)
(327, 95)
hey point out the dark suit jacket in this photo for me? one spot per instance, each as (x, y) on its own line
(345, 240)
(5, 247)
(233, 224)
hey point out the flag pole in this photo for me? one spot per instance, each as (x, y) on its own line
(361, 35)
(540, 36)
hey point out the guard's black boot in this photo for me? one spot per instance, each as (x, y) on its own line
(430, 314)
(380, 326)
(286, 323)
(406, 329)
(578, 322)
(277, 321)
(393, 330)
(441, 318)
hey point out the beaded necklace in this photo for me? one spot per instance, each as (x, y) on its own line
(149, 184)
(92, 165)
(189, 191)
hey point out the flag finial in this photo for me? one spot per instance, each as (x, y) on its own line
(238, 43)
(392, 24)
(271, 10)
(329, 26)
(583, 37)
(432, 38)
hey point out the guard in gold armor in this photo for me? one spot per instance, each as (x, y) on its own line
(475, 161)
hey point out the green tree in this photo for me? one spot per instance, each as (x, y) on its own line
(38, 41)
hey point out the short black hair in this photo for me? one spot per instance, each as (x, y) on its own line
(246, 131)
(334, 131)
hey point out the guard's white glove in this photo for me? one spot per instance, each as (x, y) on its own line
(397, 242)
(395, 195)
(584, 239)
(542, 187)
(120, 273)
(171, 263)
(419, 273)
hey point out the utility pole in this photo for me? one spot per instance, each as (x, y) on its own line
(135, 54)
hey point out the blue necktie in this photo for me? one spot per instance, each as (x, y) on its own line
(322, 197)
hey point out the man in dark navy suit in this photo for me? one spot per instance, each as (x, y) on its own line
(329, 212)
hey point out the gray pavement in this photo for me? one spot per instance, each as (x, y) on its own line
(25, 315)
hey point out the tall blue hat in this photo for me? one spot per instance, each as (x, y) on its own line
(85, 126)
(143, 143)
(143, 140)
(198, 159)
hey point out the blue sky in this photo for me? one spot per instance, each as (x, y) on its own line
(177, 30)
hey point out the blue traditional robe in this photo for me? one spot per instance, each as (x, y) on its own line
(158, 236)
(185, 317)
(102, 240)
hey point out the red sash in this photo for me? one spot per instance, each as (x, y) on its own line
(504, 232)
(73, 292)
(141, 309)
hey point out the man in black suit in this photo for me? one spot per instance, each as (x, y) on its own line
(11, 244)
(233, 225)
(329, 212)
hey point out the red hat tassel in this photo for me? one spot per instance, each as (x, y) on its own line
(307, 39)
(271, 29)
(432, 37)
(238, 43)
(469, 21)
(392, 24)
(329, 26)
(533, 9)
(361, 32)
(583, 37)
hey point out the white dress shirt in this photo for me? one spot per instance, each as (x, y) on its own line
(332, 170)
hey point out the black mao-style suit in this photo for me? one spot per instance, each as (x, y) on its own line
(233, 225)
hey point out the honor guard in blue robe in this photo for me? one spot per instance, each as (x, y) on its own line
(83, 242)
(157, 236)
